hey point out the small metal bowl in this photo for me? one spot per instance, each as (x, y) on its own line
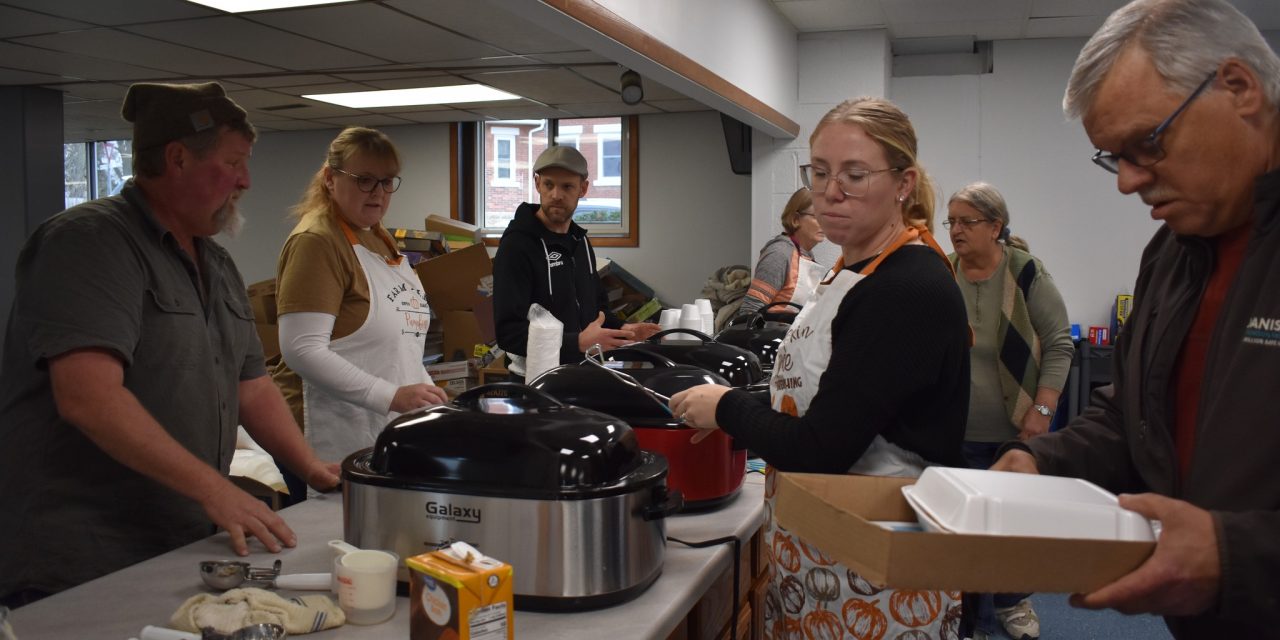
(252, 632)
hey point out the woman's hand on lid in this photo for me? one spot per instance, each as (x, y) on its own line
(696, 406)
(417, 396)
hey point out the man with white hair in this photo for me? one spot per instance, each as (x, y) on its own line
(1180, 97)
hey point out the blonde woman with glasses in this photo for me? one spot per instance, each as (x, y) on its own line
(872, 379)
(353, 317)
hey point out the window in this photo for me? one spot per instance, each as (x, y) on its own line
(504, 156)
(95, 169)
(504, 173)
(609, 154)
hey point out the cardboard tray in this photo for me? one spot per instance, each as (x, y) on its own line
(836, 513)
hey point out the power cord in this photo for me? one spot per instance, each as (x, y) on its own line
(737, 563)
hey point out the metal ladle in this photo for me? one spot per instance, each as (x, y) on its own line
(229, 574)
(262, 631)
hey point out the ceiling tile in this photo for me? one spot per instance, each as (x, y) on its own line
(372, 77)
(521, 112)
(16, 76)
(493, 25)
(442, 115)
(441, 80)
(570, 57)
(832, 15)
(296, 125)
(116, 12)
(19, 22)
(234, 36)
(285, 80)
(111, 44)
(1068, 8)
(367, 120)
(915, 11)
(546, 85)
(95, 91)
(378, 31)
(71, 66)
(980, 30)
(610, 75)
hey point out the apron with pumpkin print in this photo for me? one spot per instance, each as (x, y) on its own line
(810, 596)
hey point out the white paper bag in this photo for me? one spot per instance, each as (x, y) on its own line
(546, 334)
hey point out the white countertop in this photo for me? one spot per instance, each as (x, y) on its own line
(117, 606)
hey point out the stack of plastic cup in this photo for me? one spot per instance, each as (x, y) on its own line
(708, 316)
(670, 319)
(690, 318)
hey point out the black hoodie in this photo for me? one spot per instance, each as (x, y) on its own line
(555, 270)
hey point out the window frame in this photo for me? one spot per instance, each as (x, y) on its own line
(467, 182)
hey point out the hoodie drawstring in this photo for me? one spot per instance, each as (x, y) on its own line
(547, 254)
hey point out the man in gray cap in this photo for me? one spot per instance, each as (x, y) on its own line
(131, 357)
(544, 257)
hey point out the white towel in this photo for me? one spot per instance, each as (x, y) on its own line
(238, 608)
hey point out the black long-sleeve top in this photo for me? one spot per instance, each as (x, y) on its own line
(899, 368)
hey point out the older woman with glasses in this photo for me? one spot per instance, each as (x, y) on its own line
(353, 317)
(872, 379)
(1021, 353)
(786, 271)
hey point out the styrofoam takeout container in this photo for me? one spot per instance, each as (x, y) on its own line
(976, 501)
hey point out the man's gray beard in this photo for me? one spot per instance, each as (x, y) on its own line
(229, 219)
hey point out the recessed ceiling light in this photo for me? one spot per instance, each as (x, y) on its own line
(243, 6)
(456, 94)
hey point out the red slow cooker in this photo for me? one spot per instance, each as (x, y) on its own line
(635, 387)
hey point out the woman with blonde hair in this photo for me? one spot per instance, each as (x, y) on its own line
(353, 317)
(786, 271)
(1021, 353)
(876, 373)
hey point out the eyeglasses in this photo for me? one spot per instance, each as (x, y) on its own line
(852, 182)
(368, 183)
(1147, 151)
(963, 223)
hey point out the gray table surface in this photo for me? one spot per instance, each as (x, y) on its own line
(117, 606)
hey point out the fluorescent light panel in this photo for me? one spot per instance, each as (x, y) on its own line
(456, 94)
(244, 6)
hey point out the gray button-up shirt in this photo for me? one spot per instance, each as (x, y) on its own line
(106, 275)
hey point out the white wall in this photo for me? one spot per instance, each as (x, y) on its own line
(832, 67)
(283, 164)
(1007, 128)
(692, 206)
(747, 42)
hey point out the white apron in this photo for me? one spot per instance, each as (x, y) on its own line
(810, 596)
(388, 345)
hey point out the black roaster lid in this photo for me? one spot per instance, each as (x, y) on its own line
(507, 440)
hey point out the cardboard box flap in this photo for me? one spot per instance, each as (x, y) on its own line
(451, 280)
(836, 513)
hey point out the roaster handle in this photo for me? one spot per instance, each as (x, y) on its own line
(666, 502)
(632, 354)
(657, 337)
(471, 398)
(762, 315)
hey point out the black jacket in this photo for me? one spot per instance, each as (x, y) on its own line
(555, 270)
(1124, 441)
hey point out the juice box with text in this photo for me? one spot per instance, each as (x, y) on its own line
(451, 598)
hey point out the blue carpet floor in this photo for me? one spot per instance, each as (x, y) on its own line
(1061, 621)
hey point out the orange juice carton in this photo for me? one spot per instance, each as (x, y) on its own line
(456, 593)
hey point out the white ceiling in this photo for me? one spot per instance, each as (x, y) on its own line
(93, 49)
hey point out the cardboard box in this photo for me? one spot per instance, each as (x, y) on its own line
(454, 231)
(461, 335)
(456, 386)
(837, 514)
(262, 297)
(451, 280)
(455, 601)
(443, 371)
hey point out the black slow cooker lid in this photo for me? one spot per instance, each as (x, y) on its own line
(735, 364)
(509, 439)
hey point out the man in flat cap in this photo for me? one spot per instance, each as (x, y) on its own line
(131, 357)
(544, 257)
